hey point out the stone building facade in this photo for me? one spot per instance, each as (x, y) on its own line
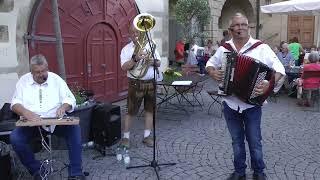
(272, 29)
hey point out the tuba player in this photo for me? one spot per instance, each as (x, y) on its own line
(133, 56)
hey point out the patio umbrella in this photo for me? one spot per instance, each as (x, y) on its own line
(295, 7)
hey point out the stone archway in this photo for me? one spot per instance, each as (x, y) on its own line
(221, 11)
(89, 28)
(230, 7)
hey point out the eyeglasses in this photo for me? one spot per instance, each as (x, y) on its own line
(244, 25)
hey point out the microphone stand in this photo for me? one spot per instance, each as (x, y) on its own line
(154, 164)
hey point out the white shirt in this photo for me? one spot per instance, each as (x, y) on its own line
(263, 53)
(126, 54)
(43, 99)
(192, 55)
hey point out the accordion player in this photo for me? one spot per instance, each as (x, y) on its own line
(242, 74)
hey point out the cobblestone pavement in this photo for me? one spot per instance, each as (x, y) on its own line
(201, 146)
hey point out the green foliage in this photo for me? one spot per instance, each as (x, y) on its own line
(192, 12)
(79, 93)
(80, 98)
(171, 75)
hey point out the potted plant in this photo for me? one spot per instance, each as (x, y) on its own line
(84, 107)
(171, 75)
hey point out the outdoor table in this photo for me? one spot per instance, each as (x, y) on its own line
(181, 87)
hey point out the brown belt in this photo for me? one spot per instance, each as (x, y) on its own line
(140, 81)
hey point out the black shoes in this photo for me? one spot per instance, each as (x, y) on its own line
(259, 176)
(235, 176)
(37, 176)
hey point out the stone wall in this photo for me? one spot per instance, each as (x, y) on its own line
(15, 15)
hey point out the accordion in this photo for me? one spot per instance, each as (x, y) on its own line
(242, 74)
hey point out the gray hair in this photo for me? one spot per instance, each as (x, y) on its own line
(313, 57)
(38, 59)
(236, 15)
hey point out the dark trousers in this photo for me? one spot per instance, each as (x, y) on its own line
(202, 65)
(245, 125)
(21, 136)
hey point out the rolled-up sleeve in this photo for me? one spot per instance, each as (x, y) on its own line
(18, 95)
(157, 55)
(67, 96)
(215, 60)
(278, 67)
(273, 58)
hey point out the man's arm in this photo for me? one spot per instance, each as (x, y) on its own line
(277, 76)
(157, 63)
(214, 73)
(68, 102)
(27, 114)
(62, 109)
(128, 65)
(276, 65)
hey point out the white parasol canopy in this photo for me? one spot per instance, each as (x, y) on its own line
(294, 7)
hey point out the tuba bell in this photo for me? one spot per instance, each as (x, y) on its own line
(143, 23)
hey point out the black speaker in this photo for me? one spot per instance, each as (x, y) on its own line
(106, 126)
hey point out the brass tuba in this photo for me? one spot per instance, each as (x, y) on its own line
(143, 22)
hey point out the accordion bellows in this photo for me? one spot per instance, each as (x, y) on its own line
(242, 74)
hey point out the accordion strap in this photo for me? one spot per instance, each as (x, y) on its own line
(230, 48)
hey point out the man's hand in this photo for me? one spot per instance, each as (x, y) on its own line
(31, 116)
(61, 112)
(141, 55)
(215, 74)
(262, 87)
(151, 62)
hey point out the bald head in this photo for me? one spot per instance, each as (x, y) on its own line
(239, 27)
(236, 16)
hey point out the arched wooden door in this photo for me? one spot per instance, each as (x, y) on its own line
(93, 32)
(102, 70)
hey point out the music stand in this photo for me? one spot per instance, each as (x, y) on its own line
(154, 164)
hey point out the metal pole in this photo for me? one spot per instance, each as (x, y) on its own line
(318, 34)
(59, 47)
(258, 19)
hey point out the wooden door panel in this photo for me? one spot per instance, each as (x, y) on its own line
(93, 32)
(101, 55)
(301, 27)
(98, 87)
